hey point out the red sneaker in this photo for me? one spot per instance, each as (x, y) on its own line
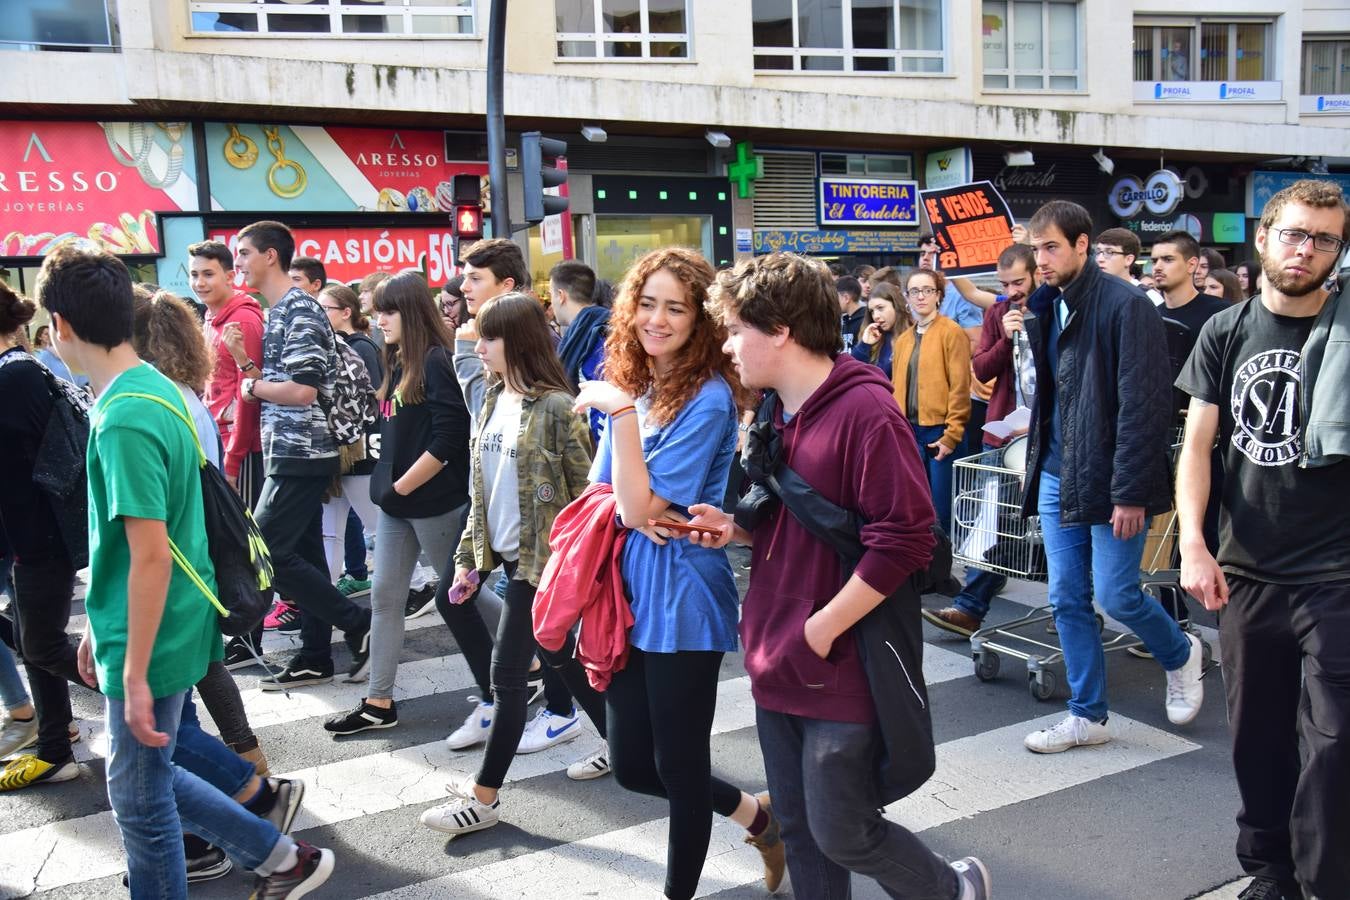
(283, 617)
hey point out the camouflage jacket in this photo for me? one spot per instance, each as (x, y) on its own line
(553, 459)
(298, 345)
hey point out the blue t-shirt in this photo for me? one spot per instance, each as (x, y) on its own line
(961, 310)
(683, 596)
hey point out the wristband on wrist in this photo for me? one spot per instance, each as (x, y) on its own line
(248, 366)
(622, 412)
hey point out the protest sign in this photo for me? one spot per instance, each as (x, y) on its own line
(972, 226)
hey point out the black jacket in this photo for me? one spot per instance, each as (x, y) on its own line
(1114, 389)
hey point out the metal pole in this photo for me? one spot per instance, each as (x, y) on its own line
(496, 120)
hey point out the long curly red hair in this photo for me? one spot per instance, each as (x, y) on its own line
(629, 366)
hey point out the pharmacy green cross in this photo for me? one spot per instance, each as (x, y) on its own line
(745, 169)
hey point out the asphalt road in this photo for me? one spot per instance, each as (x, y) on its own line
(1149, 815)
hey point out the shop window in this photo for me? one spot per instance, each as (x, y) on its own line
(622, 29)
(878, 165)
(1202, 50)
(58, 25)
(1032, 46)
(621, 241)
(1326, 66)
(904, 36)
(334, 18)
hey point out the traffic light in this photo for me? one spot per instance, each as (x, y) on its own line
(467, 193)
(538, 170)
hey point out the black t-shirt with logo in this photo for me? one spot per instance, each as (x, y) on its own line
(1279, 523)
(1183, 325)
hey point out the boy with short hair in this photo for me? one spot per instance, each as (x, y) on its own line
(820, 725)
(150, 632)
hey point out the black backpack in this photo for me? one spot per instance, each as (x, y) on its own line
(243, 566)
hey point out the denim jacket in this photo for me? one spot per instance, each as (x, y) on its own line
(1326, 370)
(553, 459)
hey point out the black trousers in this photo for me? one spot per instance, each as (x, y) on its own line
(42, 595)
(660, 709)
(1286, 672)
(290, 516)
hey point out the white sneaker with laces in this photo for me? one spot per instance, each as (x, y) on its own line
(463, 813)
(16, 735)
(1185, 690)
(1072, 731)
(547, 729)
(475, 729)
(594, 766)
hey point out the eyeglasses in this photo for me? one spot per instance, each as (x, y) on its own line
(1108, 252)
(915, 293)
(1295, 238)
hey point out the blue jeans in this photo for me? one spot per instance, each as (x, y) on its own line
(154, 800)
(821, 778)
(939, 472)
(206, 756)
(12, 692)
(1087, 561)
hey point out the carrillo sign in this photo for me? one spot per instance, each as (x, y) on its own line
(1161, 194)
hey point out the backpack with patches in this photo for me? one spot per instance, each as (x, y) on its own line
(352, 409)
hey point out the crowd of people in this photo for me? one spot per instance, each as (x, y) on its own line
(471, 449)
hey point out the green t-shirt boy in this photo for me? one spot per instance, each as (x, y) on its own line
(143, 463)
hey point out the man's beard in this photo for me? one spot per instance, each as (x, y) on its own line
(1292, 285)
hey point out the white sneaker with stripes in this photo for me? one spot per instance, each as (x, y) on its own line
(594, 766)
(463, 814)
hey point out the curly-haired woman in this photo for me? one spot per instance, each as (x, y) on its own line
(671, 398)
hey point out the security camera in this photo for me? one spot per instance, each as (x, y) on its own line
(1104, 162)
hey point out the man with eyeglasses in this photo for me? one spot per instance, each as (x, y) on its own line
(1268, 380)
(1115, 251)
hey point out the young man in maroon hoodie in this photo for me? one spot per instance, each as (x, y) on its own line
(842, 432)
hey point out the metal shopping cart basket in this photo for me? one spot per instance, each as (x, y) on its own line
(989, 533)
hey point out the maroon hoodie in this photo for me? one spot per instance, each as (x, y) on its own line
(850, 442)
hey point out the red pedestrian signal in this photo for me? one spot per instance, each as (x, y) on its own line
(469, 221)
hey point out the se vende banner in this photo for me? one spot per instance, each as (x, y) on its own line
(972, 226)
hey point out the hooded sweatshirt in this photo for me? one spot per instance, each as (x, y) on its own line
(850, 442)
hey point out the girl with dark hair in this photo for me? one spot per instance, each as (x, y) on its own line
(889, 315)
(1248, 274)
(351, 326)
(420, 481)
(1225, 284)
(530, 458)
(671, 398)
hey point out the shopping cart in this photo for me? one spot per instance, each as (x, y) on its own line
(990, 533)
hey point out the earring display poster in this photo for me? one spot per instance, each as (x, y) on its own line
(263, 167)
(103, 182)
(972, 226)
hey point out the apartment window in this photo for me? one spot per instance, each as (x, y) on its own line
(1031, 46)
(56, 25)
(874, 164)
(333, 17)
(623, 29)
(1202, 50)
(1326, 66)
(849, 35)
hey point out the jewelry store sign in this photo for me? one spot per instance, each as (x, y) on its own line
(868, 201)
(330, 168)
(101, 181)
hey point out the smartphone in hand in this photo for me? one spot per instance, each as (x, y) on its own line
(461, 592)
(680, 527)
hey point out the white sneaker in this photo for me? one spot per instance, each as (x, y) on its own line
(16, 736)
(547, 729)
(475, 729)
(594, 766)
(1185, 690)
(462, 815)
(1072, 731)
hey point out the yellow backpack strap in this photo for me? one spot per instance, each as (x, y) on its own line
(182, 414)
(177, 554)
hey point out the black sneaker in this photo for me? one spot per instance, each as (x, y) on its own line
(420, 602)
(209, 866)
(313, 869)
(286, 796)
(296, 674)
(240, 653)
(364, 718)
(1264, 888)
(360, 647)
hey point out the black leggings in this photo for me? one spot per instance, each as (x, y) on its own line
(660, 709)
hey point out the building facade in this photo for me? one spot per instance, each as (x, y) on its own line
(736, 128)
